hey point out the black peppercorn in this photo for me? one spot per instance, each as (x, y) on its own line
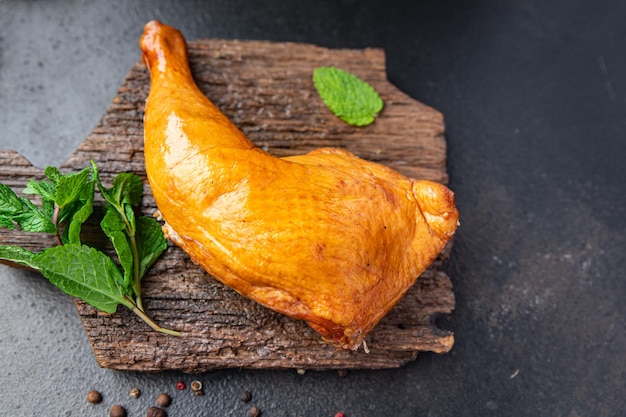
(245, 396)
(163, 400)
(94, 397)
(155, 412)
(117, 411)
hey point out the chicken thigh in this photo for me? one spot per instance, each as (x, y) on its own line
(324, 237)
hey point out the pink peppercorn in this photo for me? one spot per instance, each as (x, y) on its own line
(340, 414)
(180, 385)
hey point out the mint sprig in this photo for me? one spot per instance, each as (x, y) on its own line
(137, 241)
(350, 98)
(77, 269)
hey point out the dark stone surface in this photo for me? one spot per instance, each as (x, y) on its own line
(534, 95)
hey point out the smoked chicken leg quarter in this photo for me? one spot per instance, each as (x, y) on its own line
(324, 237)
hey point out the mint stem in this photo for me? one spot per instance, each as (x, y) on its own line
(133, 246)
(142, 315)
(55, 222)
(137, 278)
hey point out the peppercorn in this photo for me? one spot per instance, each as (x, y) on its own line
(164, 400)
(196, 385)
(340, 414)
(94, 396)
(199, 392)
(254, 411)
(301, 371)
(245, 396)
(135, 392)
(117, 411)
(180, 385)
(155, 412)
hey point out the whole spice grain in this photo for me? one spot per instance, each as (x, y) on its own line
(156, 412)
(94, 397)
(196, 385)
(245, 396)
(135, 392)
(340, 414)
(254, 411)
(117, 411)
(199, 392)
(164, 400)
(180, 385)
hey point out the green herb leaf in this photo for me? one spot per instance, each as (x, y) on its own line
(150, 242)
(78, 219)
(85, 273)
(32, 219)
(80, 211)
(70, 187)
(23, 212)
(45, 189)
(125, 194)
(6, 222)
(18, 255)
(77, 269)
(347, 96)
(127, 189)
(72, 193)
(53, 174)
(10, 205)
(113, 226)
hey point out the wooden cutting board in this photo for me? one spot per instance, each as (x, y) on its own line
(267, 90)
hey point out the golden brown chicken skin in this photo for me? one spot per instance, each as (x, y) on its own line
(324, 237)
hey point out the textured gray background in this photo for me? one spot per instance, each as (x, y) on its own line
(534, 95)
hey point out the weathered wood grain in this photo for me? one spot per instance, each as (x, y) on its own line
(267, 90)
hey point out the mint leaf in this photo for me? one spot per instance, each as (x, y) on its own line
(347, 96)
(17, 255)
(69, 187)
(85, 273)
(32, 219)
(113, 195)
(43, 188)
(62, 189)
(113, 227)
(23, 212)
(127, 189)
(72, 232)
(80, 210)
(6, 222)
(10, 203)
(150, 242)
(10, 206)
(130, 216)
(125, 194)
(47, 208)
(53, 174)
(72, 193)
